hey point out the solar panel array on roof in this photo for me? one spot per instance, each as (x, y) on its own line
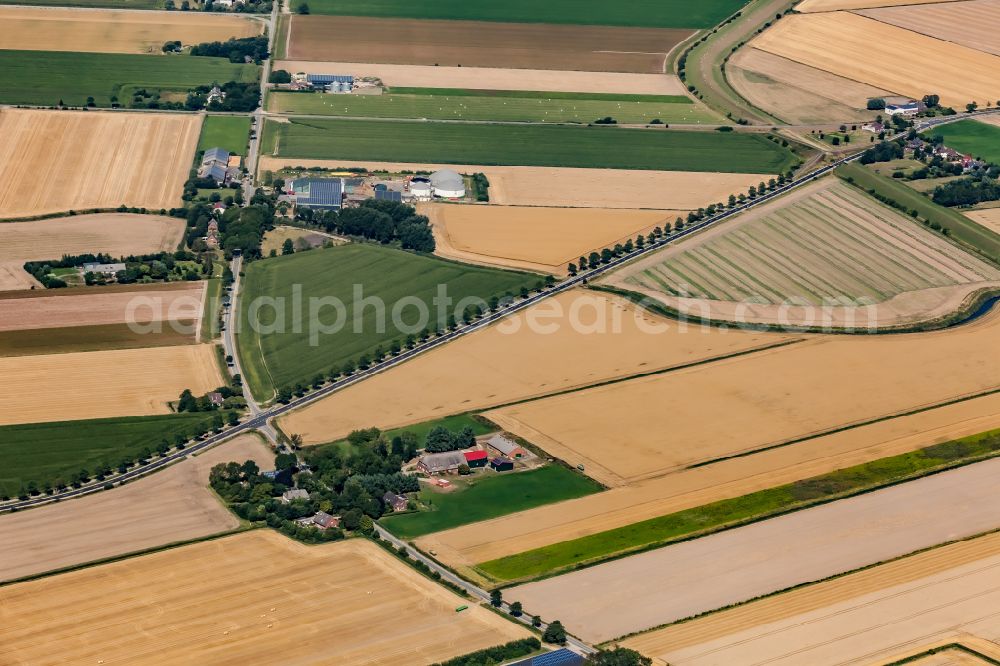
(389, 195)
(329, 78)
(326, 193)
(561, 657)
(216, 154)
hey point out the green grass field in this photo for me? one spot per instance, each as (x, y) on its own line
(971, 137)
(488, 107)
(528, 145)
(715, 516)
(490, 496)
(45, 77)
(286, 356)
(47, 452)
(961, 228)
(230, 133)
(645, 13)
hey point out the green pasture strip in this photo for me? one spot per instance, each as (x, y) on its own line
(231, 133)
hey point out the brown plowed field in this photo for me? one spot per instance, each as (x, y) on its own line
(570, 341)
(534, 238)
(141, 304)
(467, 546)
(833, 5)
(875, 616)
(495, 78)
(235, 600)
(102, 31)
(171, 505)
(797, 93)
(683, 580)
(93, 160)
(482, 44)
(973, 23)
(858, 48)
(117, 234)
(596, 427)
(574, 188)
(93, 385)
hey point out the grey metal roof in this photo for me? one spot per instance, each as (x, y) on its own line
(437, 462)
(319, 191)
(216, 172)
(389, 195)
(216, 155)
(329, 78)
(503, 444)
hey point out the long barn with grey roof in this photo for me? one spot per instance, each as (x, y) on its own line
(318, 193)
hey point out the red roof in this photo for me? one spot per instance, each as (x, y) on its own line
(475, 455)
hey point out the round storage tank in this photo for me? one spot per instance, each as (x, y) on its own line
(448, 184)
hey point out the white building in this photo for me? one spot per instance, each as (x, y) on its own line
(910, 109)
(103, 269)
(447, 184)
(420, 189)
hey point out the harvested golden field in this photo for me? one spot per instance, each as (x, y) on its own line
(574, 188)
(496, 78)
(876, 616)
(971, 23)
(181, 301)
(988, 217)
(859, 48)
(464, 547)
(98, 159)
(575, 339)
(117, 234)
(103, 31)
(827, 255)
(833, 5)
(589, 427)
(535, 238)
(483, 44)
(172, 505)
(93, 385)
(231, 600)
(797, 93)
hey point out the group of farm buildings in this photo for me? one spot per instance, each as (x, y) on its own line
(326, 194)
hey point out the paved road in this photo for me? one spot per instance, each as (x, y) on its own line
(668, 584)
(260, 420)
(473, 590)
(257, 117)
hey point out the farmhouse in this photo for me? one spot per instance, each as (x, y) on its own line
(506, 447)
(475, 458)
(874, 127)
(324, 521)
(103, 269)
(447, 184)
(317, 193)
(441, 463)
(396, 502)
(294, 494)
(908, 109)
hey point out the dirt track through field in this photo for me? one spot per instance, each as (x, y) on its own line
(92, 385)
(117, 234)
(232, 600)
(103, 31)
(973, 23)
(945, 595)
(467, 546)
(535, 238)
(494, 78)
(575, 339)
(93, 159)
(174, 302)
(665, 585)
(574, 188)
(172, 505)
(857, 47)
(482, 44)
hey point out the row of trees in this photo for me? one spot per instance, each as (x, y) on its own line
(236, 50)
(440, 439)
